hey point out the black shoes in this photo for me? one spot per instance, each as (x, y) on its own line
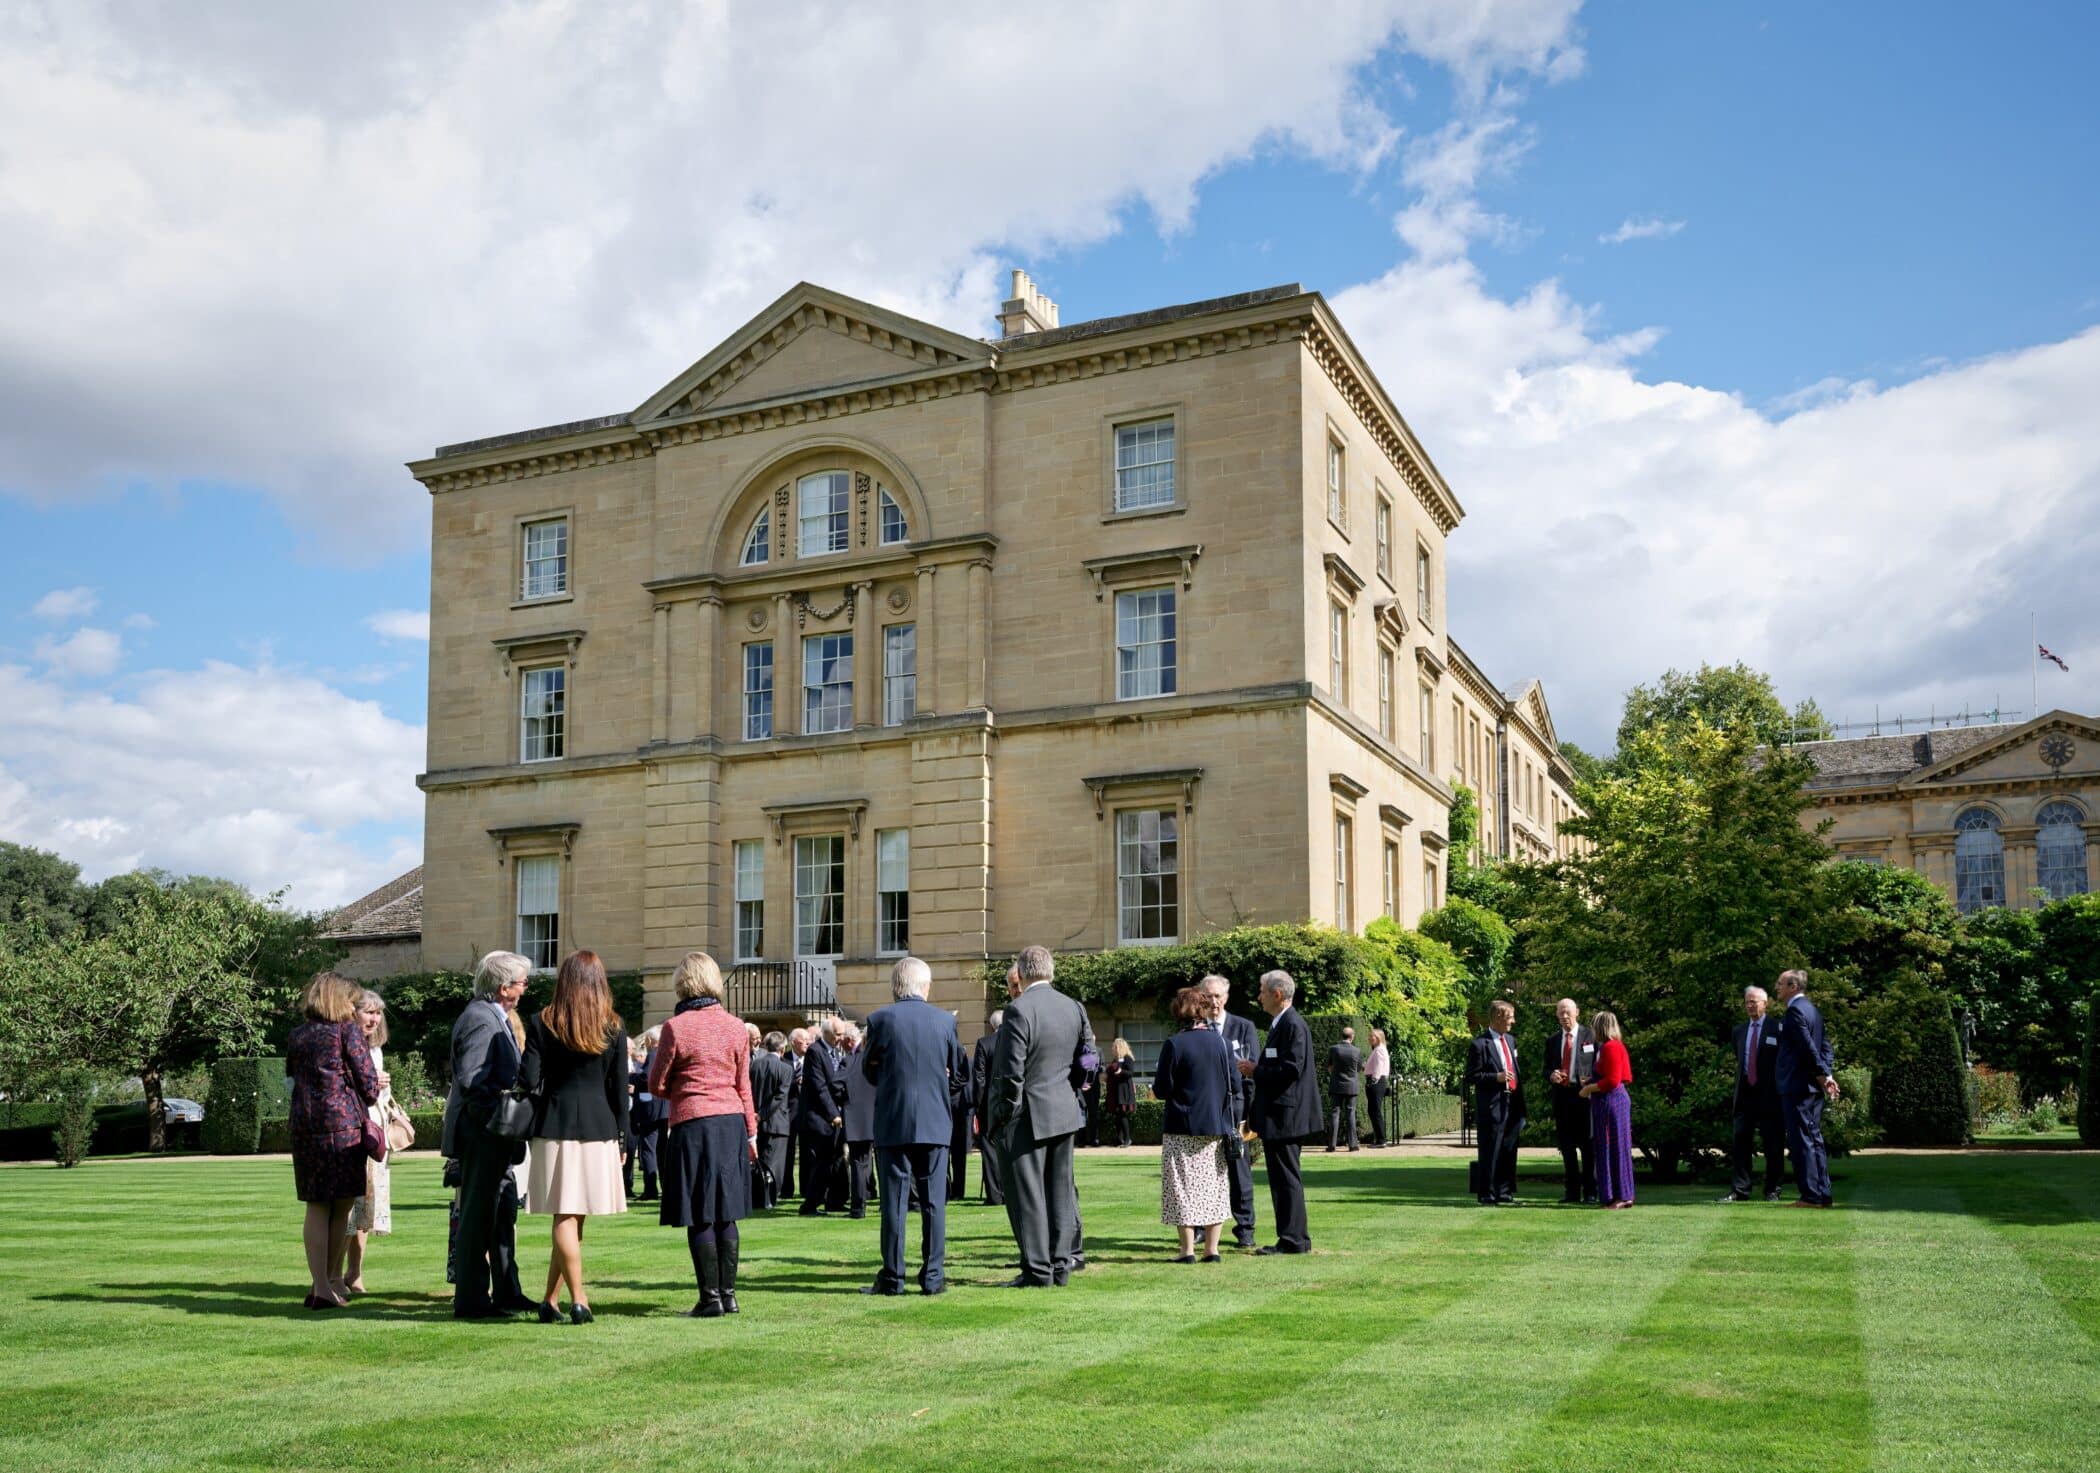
(1022, 1281)
(580, 1314)
(709, 1307)
(549, 1315)
(729, 1304)
(1275, 1250)
(487, 1312)
(1186, 1258)
(940, 1288)
(1771, 1196)
(1736, 1197)
(887, 1291)
(1212, 1258)
(315, 1301)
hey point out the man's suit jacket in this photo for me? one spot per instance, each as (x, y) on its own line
(1345, 1066)
(1484, 1072)
(1585, 1057)
(1804, 1053)
(981, 1076)
(860, 1097)
(485, 1061)
(915, 1063)
(1767, 1086)
(1286, 1095)
(823, 1091)
(1035, 1065)
(1241, 1042)
(772, 1080)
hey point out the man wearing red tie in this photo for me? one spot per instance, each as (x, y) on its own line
(1571, 1062)
(1498, 1106)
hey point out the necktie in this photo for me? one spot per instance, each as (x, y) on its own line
(1509, 1062)
(1567, 1056)
(1752, 1037)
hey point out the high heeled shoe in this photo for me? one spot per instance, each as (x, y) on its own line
(549, 1315)
(580, 1314)
(315, 1301)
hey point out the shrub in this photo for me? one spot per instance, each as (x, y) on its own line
(244, 1093)
(1848, 1125)
(74, 1128)
(2089, 1080)
(1480, 938)
(1425, 1114)
(409, 1078)
(1923, 1101)
(2042, 1118)
(1996, 1097)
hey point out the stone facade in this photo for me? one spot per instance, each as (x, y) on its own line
(1994, 815)
(968, 491)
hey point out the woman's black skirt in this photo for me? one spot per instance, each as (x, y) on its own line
(706, 1168)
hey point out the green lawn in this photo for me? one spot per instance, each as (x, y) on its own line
(1944, 1317)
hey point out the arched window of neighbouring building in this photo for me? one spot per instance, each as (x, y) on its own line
(1979, 861)
(2059, 850)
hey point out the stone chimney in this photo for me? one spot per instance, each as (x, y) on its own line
(1028, 310)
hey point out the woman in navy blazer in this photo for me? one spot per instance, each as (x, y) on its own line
(1197, 1083)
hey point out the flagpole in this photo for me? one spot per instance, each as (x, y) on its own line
(2034, 668)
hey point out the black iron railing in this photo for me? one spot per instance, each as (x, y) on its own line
(782, 987)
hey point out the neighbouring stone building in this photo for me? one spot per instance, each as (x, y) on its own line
(1994, 815)
(862, 634)
(381, 933)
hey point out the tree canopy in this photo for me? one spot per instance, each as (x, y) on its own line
(1723, 696)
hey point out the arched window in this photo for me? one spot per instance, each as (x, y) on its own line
(2059, 850)
(893, 527)
(758, 546)
(1979, 861)
(822, 524)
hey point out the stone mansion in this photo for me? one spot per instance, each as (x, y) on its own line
(862, 635)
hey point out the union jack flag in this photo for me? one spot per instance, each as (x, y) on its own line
(2056, 660)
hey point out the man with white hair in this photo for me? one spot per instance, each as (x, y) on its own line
(1756, 1045)
(485, 1062)
(821, 1117)
(1806, 1074)
(1571, 1062)
(1286, 1109)
(1035, 1116)
(914, 1061)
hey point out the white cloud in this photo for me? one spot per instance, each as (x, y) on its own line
(140, 621)
(83, 652)
(400, 624)
(66, 603)
(1632, 229)
(264, 776)
(360, 198)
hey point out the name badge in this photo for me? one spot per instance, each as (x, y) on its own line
(1589, 1048)
(1772, 1042)
(1268, 1053)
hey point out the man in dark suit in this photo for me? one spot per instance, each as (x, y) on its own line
(959, 1132)
(772, 1100)
(1757, 1114)
(820, 1116)
(1243, 1043)
(1035, 1115)
(1286, 1109)
(1498, 1105)
(980, 1083)
(1570, 1063)
(915, 1064)
(860, 1126)
(1806, 1077)
(1345, 1067)
(485, 1061)
(798, 1046)
(645, 1120)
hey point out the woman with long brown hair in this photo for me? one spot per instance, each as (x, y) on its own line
(576, 1068)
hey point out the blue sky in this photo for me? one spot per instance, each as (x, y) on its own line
(1761, 334)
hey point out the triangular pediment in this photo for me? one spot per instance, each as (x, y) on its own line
(808, 341)
(2023, 753)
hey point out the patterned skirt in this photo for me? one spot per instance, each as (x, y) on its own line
(1193, 1189)
(374, 1211)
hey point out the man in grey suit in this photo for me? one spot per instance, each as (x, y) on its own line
(1241, 1042)
(1345, 1067)
(1571, 1062)
(485, 1063)
(1035, 1114)
(914, 1062)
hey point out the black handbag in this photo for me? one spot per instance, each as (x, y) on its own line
(514, 1118)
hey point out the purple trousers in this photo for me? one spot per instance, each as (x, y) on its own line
(1611, 1135)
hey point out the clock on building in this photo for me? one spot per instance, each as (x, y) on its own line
(2058, 750)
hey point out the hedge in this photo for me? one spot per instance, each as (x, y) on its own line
(277, 1134)
(25, 1130)
(2089, 1077)
(1848, 1125)
(1925, 1100)
(1325, 963)
(421, 1008)
(1419, 1115)
(244, 1093)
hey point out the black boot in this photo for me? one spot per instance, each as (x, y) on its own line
(707, 1268)
(725, 1272)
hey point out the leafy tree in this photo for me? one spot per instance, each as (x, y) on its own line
(1700, 879)
(41, 897)
(2008, 972)
(2070, 935)
(1588, 765)
(1415, 990)
(1480, 939)
(1723, 696)
(2089, 1079)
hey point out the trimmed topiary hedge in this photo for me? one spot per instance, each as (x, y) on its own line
(2089, 1077)
(1848, 1125)
(1924, 1100)
(244, 1093)
(1419, 1115)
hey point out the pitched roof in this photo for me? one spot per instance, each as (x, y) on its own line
(1865, 761)
(394, 909)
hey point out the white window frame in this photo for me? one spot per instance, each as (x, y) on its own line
(835, 520)
(891, 527)
(758, 542)
(1425, 584)
(1429, 883)
(552, 567)
(1147, 618)
(543, 732)
(823, 708)
(1344, 873)
(1386, 663)
(811, 904)
(1427, 716)
(1129, 840)
(1141, 469)
(1338, 652)
(1382, 527)
(892, 892)
(1337, 482)
(748, 865)
(538, 931)
(900, 673)
(761, 704)
(1389, 877)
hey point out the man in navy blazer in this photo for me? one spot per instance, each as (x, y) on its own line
(1806, 1081)
(915, 1062)
(821, 1117)
(1241, 1042)
(1756, 1046)
(1498, 1104)
(485, 1061)
(1286, 1109)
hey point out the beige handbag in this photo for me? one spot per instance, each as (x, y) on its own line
(400, 1130)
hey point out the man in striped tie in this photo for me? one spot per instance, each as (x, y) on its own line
(1498, 1106)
